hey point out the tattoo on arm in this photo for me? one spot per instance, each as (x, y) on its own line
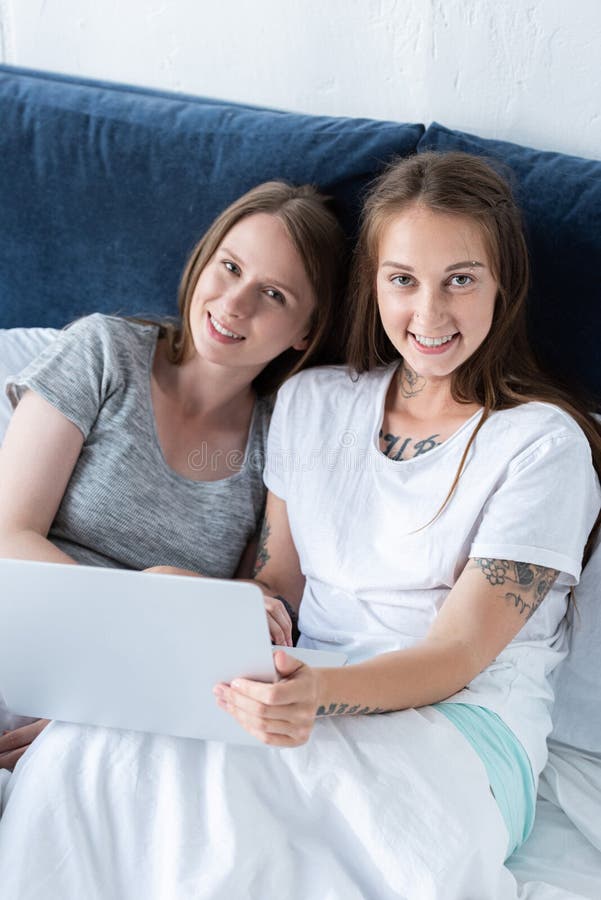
(345, 709)
(527, 584)
(262, 554)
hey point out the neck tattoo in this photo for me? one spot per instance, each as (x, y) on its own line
(410, 383)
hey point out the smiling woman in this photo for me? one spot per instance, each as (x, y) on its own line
(436, 311)
(439, 552)
(258, 298)
(303, 251)
(136, 444)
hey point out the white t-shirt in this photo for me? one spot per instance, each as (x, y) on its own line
(375, 581)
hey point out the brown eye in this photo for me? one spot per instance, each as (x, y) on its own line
(276, 295)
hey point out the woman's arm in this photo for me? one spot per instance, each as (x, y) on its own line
(37, 458)
(277, 572)
(277, 567)
(487, 607)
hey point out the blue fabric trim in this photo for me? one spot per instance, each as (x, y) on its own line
(506, 763)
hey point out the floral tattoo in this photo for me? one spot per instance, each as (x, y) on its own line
(527, 585)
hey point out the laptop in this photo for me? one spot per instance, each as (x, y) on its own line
(132, 650)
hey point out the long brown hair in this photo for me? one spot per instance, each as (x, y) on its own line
(319, 240)
(503, 372)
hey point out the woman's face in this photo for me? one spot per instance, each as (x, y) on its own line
(253, 299)
(436, 292)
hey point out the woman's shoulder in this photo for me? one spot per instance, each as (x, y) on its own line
(535, 425)
(538, 415)
(112, 342)
(338, 383)
(113, 328)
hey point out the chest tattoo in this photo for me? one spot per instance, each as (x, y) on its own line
(395, 450)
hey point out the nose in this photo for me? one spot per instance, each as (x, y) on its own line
(239, 301)
(429, 308)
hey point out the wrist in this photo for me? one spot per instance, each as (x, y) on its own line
(325, 689)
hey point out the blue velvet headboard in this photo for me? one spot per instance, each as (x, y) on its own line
(105, 188)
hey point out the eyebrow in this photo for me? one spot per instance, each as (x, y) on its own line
(466, 264)
(275, 281)
(463, 264)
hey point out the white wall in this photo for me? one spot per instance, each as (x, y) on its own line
(524, 70)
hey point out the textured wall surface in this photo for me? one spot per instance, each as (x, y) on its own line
(525, 70)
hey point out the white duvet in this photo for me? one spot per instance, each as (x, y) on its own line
(372, 808)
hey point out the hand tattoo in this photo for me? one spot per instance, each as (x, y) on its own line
(533, 582)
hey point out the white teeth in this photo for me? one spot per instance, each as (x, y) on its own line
(433, 342)
(222, 330)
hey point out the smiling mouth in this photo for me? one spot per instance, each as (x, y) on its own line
(221, 329)
(425, 341)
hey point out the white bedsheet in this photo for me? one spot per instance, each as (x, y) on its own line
(557, 861)
(562, 857)
(232, 823)
(348, 816)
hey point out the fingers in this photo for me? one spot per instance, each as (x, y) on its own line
(275, 733)
(281, 713)
(21, 737)
(280, 626)
(285, 664)
(10, 760)
(283, 726)
(235, 700)
(13, 744)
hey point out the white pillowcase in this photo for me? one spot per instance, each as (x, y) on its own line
(577, 680)
(18, 346)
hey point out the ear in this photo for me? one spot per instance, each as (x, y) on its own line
(302, 344)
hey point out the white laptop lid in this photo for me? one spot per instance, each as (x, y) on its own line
(130, 650)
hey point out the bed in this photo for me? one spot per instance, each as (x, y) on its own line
(103, 189)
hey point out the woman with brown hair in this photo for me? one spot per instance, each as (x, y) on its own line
(135, 444)
(438, 536)
(428, 512)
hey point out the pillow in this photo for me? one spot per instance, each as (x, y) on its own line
(561, 199)
(577, 680)
(105, 188)
(18, 346)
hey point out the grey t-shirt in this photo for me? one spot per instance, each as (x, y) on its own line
(124, 507)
